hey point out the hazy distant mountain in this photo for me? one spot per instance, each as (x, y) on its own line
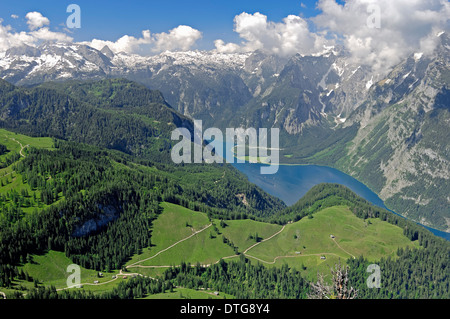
(205, 85)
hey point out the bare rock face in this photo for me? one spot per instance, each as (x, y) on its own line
(107, 215)
(401, 149)
(218, 88)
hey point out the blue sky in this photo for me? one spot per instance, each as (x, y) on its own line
(282, 27)
(109, 20)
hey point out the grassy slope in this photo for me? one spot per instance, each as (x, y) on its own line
(51, 269)
(11, 180)
(7, 138)
(238, 231)
(304, 241)
(312, 239)
(170, 227)
(372, 238)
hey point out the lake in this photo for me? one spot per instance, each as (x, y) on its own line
(291, 182)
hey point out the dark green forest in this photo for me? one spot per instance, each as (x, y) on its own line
(133, 119)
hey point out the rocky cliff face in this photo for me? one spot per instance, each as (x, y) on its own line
(206, 85)
(401, 149)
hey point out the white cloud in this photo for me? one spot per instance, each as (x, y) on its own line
(14, 16)
(9, 38)
(180, 38)
(222, 47)
(45, 34)
(288, 37)
(36, 20)
(405, 27)
(126, 43)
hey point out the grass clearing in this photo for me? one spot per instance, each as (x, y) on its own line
(51, 269)
(13, 140)
(179, 235)
(239, 231)
(174, 224)
(306, 242)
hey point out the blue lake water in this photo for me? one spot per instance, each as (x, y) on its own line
(290, 183)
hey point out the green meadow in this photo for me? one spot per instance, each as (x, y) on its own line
(51, 269)
(13, 141)
(13, 187)
(182, 235)
(170, 246)
(309, 243)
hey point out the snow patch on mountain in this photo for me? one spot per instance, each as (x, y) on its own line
(369, 83)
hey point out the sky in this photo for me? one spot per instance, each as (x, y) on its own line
(110, 20)
(375, 32)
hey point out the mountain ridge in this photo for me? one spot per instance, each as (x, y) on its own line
(330, 111)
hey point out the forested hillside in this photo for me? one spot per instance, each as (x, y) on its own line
(103, 188)
(115, 114)
(91, 189)
(100, 206)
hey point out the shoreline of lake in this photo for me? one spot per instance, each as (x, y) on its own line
(295, 180)
(300, 178)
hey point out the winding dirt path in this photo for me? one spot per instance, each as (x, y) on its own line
(136, 264)
(294, 256)
(334, 239)
(290, 256)
(21, 146)
(245, 252)
(105, 282)
(264, 239)
(165, 249)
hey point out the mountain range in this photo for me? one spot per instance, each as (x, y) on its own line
(390, 131)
